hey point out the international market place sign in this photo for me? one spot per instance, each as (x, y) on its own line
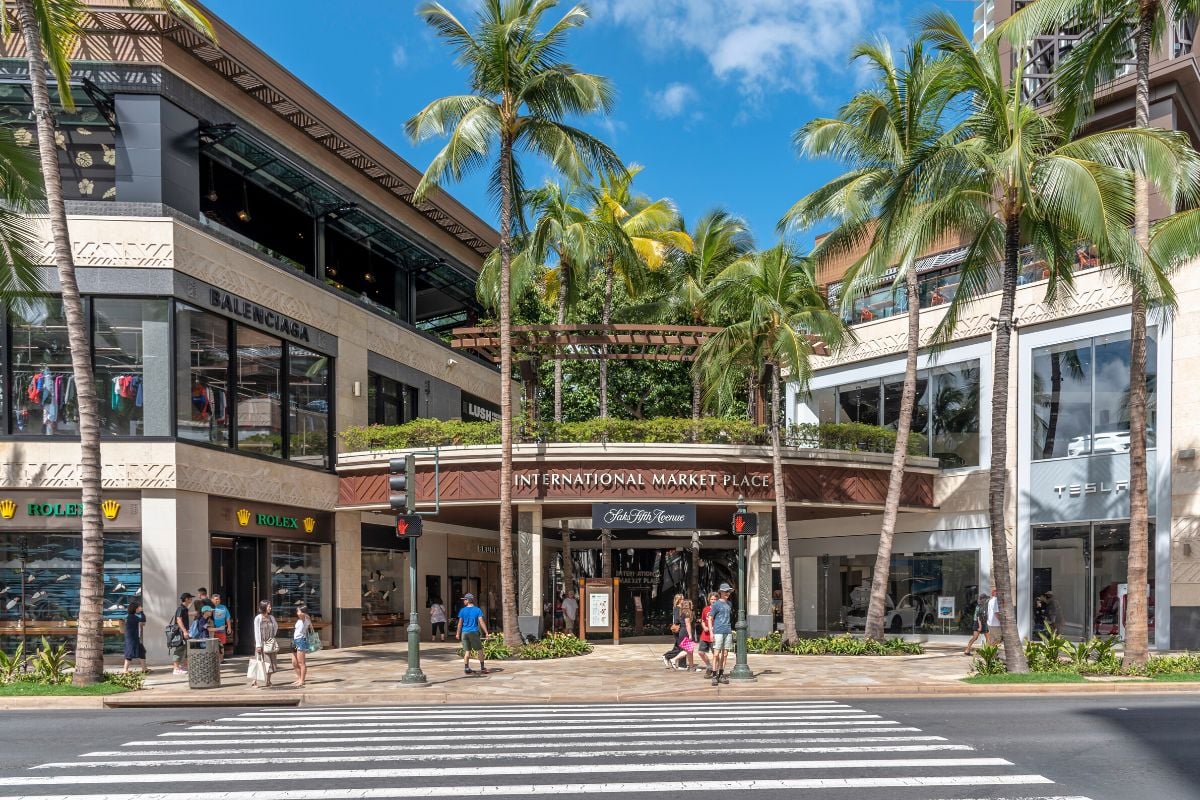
(623, 516)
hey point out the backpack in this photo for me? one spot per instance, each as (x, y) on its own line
(174, 636)
(198, 629)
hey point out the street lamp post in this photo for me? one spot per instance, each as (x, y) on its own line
(413, 675)
(741, 669)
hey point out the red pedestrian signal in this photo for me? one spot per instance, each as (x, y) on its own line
(408, 526)
(745, 523)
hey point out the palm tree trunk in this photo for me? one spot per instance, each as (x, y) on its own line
(1137, 614)
(568, 565)
(1055, 400)
(695, 404)
(1014, 653)
(891, 506)
(89, 640)
(563, 270)
(606, 318)
(508, 593)
(785, 550)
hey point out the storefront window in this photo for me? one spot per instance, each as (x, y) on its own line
(131, 341)
(202, 369)
(296, 576)
(480, 578)
(824, 404)
(259, 386)
(308, 406)
(916, 582)
(955, 415)
(44, 397)
(1081, 397)
(389, 402)
(893, 388)
(49, 595)
(860, 402)
(383, 596)
(1078, 574)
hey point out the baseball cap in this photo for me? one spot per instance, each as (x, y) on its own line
(469, 596)
(205, 608)
(725, 587)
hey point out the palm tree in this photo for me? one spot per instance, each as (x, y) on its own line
(565, 233)
(49, 30)
(877, 134)
(639, 233)
(718, 239)
(521, 93)
(1117, 29)
(776, 306)
(1012, 175)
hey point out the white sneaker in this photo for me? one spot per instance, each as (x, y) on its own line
(179, 672)
(666, 663)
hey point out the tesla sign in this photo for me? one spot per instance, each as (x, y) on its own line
(679, 516)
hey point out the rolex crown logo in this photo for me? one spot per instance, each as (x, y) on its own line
(310, 524)
(110, 508)
(243, 515)
(7, 509)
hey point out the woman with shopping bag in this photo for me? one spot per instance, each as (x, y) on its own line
(265, 647)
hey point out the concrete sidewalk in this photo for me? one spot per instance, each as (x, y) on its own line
(631, 672)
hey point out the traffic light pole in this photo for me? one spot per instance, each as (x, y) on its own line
(741, 668)
(413, 676)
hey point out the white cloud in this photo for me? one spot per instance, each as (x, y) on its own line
(762, 45)
(677, 99)
(399, 55)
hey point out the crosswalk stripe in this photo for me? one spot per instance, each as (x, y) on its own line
(483, 725)
(500, 723)
(542, 707)
(449, 712)
(523, 769)
(492, 756)
(518, 790)
(493, 737)
(647, 715)
(741, 743)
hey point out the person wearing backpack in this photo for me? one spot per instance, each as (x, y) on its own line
(177, 634)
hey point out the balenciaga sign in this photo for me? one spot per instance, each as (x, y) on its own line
(253, 312)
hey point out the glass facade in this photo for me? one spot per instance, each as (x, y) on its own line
(230, 384)
(382, 595)
(44, 396)
(1077, 574)
(296, 576)
(48, 597)
(390, 402)
(946, 409)
(131, 352)
(1081, 397)
(480, 578)
(916, 581)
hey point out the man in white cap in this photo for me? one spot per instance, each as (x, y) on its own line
(470, 624)
(721, 617)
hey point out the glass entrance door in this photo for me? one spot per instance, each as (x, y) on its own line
(235, 574)
(1077, 574)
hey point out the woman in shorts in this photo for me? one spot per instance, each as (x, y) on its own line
(981, 626)
(437, 619)
(300, 636)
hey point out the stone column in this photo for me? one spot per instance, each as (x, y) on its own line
(529, 570)
(176, 557)
(347, 606)
(758, 565)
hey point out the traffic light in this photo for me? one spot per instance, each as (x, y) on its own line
(402, 484)
(745, 523)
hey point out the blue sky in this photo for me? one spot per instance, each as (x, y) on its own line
(710, 91)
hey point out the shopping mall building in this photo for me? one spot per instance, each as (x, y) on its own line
(1069, 438)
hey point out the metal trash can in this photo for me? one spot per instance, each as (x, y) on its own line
(204, 663)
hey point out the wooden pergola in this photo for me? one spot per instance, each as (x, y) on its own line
(581, 342)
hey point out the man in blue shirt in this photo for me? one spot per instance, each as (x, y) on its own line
(221, 627)
(470, 624)
(722, 632)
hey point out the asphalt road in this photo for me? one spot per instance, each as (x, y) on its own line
(1100, 748)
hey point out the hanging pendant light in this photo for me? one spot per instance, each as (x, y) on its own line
(243, 213)
(212, 185)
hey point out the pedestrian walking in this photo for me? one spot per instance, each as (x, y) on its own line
(722, 631)
(135, 625)
(981, 624)
(993, 617)
(301, 635)
(677, 630)
(704, 647)
(570, 610)
(688, 637)
(470, 624)
(221, 627)
(177, 634)
(437, 620)
(265, 647)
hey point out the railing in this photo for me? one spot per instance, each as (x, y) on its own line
(851, 437)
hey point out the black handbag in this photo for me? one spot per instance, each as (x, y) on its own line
(174, 636)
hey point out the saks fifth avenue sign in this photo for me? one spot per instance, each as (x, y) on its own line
(678, 516)
(633, 480)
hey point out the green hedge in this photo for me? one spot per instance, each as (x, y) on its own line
(662, 430)
(844, 645)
